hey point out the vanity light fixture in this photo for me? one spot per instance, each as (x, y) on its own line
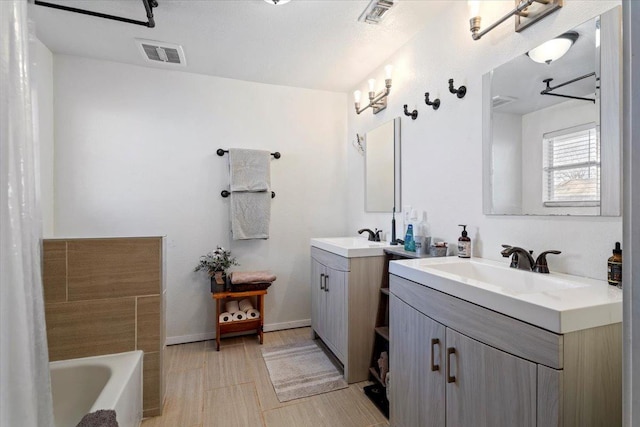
(413, 114)
(377, 101)
(525, 14)
(460, 92)
(435, 104)
(553, 49)
(277, 2)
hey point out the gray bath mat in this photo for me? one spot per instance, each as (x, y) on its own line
(300, 370)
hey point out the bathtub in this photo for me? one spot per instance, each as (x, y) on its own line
(112, 381)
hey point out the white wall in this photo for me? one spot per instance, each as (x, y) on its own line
(135, 155)
(442, 150)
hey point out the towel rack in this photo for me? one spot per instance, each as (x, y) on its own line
(225, 193)
(221, 152)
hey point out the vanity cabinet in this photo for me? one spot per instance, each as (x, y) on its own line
(344, 301)
(455, 363)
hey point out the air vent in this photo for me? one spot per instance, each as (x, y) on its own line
(161, 52)
(376, 10)
(500, 100)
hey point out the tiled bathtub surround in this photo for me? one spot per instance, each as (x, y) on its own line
(106, 296)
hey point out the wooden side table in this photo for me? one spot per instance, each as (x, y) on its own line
(239, 325)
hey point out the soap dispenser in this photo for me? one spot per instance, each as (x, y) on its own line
(464, 243)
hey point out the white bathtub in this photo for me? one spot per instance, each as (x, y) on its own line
(113, 381)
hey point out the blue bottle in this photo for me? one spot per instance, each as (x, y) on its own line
(409, 243)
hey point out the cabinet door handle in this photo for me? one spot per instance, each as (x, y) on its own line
(450, 351)
(326, 286)
(321, 284)
(434, 342)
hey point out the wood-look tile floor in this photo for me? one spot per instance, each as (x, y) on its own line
(231, 388)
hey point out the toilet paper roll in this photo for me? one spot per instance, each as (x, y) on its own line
(232, 306)
(239, 315)
(245, 305)
(253, 314)
(225, 317)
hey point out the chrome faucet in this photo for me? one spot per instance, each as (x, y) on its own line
(374, 236)
(523, 259)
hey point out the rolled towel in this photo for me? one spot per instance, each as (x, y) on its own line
(225, 317)
(238, 277)
(245, 305)
(253, 314)
(232, 306)
(239, 315)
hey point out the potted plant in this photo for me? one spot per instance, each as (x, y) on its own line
(216, 263)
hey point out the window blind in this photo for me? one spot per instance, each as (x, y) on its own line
(571, 167)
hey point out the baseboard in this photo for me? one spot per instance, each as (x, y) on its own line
(183, 339)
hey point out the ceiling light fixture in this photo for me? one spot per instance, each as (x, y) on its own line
(377, 101)
(277, 2)
(375, 11)
(553, 49)
(525, 14)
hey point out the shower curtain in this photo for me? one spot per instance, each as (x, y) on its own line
(25, 392)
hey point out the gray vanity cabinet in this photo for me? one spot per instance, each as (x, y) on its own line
(455, 363)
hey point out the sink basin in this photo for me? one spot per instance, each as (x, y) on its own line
(560, 303)
(350, 247)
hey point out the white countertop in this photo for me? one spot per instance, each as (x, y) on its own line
(350, 247)
(557, 302)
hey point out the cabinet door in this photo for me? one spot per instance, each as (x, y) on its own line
(491, 388)
(317, 297)
(336, 313)
(417, 384)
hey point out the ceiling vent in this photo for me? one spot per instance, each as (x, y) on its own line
(376, 11)
(161, 52)
(500, 100)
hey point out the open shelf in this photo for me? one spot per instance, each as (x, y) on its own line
(375, 375)
(384, 291)
(383, 331)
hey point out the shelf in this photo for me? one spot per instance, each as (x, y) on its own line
(383, 331)
(375, 375)
(240, 326)
(384, 291)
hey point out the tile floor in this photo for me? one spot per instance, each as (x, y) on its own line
(232, 388)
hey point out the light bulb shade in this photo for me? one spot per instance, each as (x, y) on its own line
(356, 96)
(474, 8)
(388, 70)
(277, 2)
(553, 49)
(372, 85)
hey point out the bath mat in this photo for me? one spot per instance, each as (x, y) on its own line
(301, 369)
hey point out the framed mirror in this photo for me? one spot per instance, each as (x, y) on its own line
(552, 129)
(382, 167)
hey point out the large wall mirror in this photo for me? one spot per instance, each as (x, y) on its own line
(552, 129)
(382, 167)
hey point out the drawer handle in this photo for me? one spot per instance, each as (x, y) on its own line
(321, 284)
(450, 351)
(434, 342)
(326, 285)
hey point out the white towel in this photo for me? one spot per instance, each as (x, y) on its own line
(232, 307)
(245, 305)
(250, 215)
(250, 170)
(253, 314)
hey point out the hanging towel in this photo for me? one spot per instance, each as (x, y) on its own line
(250, 170)
(250, 214)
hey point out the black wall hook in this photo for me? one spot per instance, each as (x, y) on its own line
(435, 104)
(460, 92)
(413, 114)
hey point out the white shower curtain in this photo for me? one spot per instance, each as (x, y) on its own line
(25, 392)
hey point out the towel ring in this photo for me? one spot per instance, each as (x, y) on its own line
(225, 193)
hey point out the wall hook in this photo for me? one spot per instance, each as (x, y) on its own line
(413, 114)
(435, 104)
(460, 92)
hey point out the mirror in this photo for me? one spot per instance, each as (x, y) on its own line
(553, 147)
(382, 168)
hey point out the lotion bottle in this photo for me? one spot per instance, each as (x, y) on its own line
(464, 243)
(614, 267)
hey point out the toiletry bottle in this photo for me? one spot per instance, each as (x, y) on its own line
(614, 267)
(464, 243)
(409, 243)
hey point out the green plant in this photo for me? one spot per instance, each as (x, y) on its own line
(217, 260)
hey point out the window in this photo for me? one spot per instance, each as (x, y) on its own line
(571, 167)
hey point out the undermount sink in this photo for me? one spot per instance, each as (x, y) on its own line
(558, 302)
(350, 247)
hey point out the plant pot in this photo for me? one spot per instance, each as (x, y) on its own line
(218, 282)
